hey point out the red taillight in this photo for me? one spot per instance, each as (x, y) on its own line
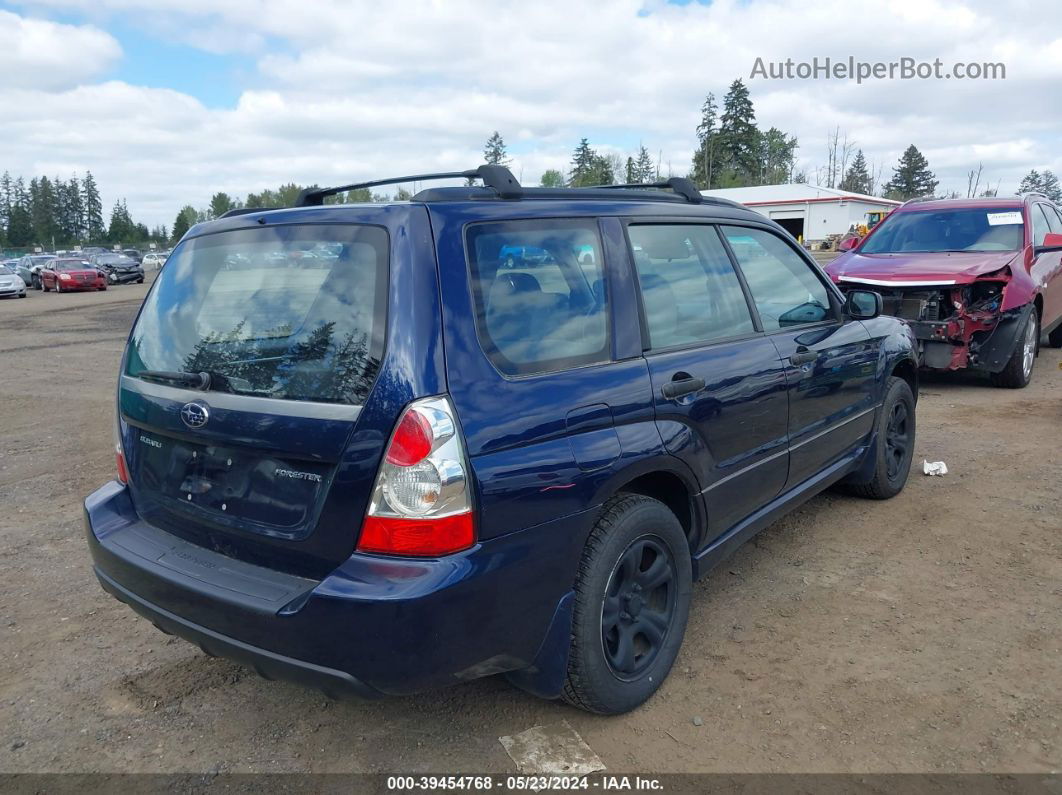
(427, 537)
(421, 504)
(123, 470)
(412, 440)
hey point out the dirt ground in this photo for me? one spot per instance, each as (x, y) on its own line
(919, 634)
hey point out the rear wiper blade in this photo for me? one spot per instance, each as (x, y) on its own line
(199, 381)
(204, 381)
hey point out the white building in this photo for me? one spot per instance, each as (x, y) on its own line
(807, 212)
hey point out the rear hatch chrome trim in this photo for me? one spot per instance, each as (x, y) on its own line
(252, 403)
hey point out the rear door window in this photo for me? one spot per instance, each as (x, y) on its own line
(540, 294)
(690, 292)
(288, 312)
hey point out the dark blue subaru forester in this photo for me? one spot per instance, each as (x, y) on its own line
(359, 448)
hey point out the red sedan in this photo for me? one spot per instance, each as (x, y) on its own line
(67, 275)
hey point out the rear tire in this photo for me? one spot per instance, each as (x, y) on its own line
(1019, 368)
(632, 599)
(895, 444)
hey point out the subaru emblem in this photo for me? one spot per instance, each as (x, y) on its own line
(195, 415)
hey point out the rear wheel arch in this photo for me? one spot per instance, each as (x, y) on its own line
(674, 492)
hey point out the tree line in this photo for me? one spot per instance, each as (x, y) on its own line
(55, 213)
(731, 151)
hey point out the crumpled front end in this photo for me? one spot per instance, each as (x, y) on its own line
(957, 325)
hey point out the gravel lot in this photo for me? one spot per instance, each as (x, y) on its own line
(920, 634)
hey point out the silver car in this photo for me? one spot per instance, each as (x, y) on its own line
(11, 284)
(154, 260)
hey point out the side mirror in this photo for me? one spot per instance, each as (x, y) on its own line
(1052, 242)
(863, 304)
(848, 244)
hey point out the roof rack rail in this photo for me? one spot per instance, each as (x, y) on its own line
(497, 177)
(245, 210)
(1041, 194)
(682, 186)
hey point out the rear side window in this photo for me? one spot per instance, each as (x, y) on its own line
(288, 312)
(690, 291)
(539, 289)
(784, 288)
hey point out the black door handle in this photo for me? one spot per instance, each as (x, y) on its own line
(683, 386)
(803, 356)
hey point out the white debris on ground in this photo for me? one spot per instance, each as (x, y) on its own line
(554, 750)
(934, 468)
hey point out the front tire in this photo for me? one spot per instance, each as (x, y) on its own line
(895, 443)
(1018, 371)
(632, 599)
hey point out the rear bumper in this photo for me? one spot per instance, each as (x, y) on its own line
(375, 625)
(267, 664)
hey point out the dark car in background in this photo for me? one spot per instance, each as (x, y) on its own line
(118, 268)
(33, 263)
(978, 280)
(410, 465)
(134, 254)
(16, 266)
(66, 275)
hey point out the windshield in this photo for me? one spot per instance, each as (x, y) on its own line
(72, 265)
(961, 229)
(249, 308)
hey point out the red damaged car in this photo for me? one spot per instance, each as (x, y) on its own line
(978, 280)
(67, 275)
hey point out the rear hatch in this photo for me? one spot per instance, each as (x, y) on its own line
(244, 386)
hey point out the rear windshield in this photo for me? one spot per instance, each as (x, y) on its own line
(965, 229)
(290, 312)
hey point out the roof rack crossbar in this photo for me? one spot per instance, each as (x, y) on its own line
(497, 177)
(682, 186)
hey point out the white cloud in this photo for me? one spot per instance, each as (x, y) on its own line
(346, 91)
(39, 54)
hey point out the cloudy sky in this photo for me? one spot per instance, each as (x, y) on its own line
(168, 101)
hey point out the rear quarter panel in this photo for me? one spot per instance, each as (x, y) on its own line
(550, 445)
